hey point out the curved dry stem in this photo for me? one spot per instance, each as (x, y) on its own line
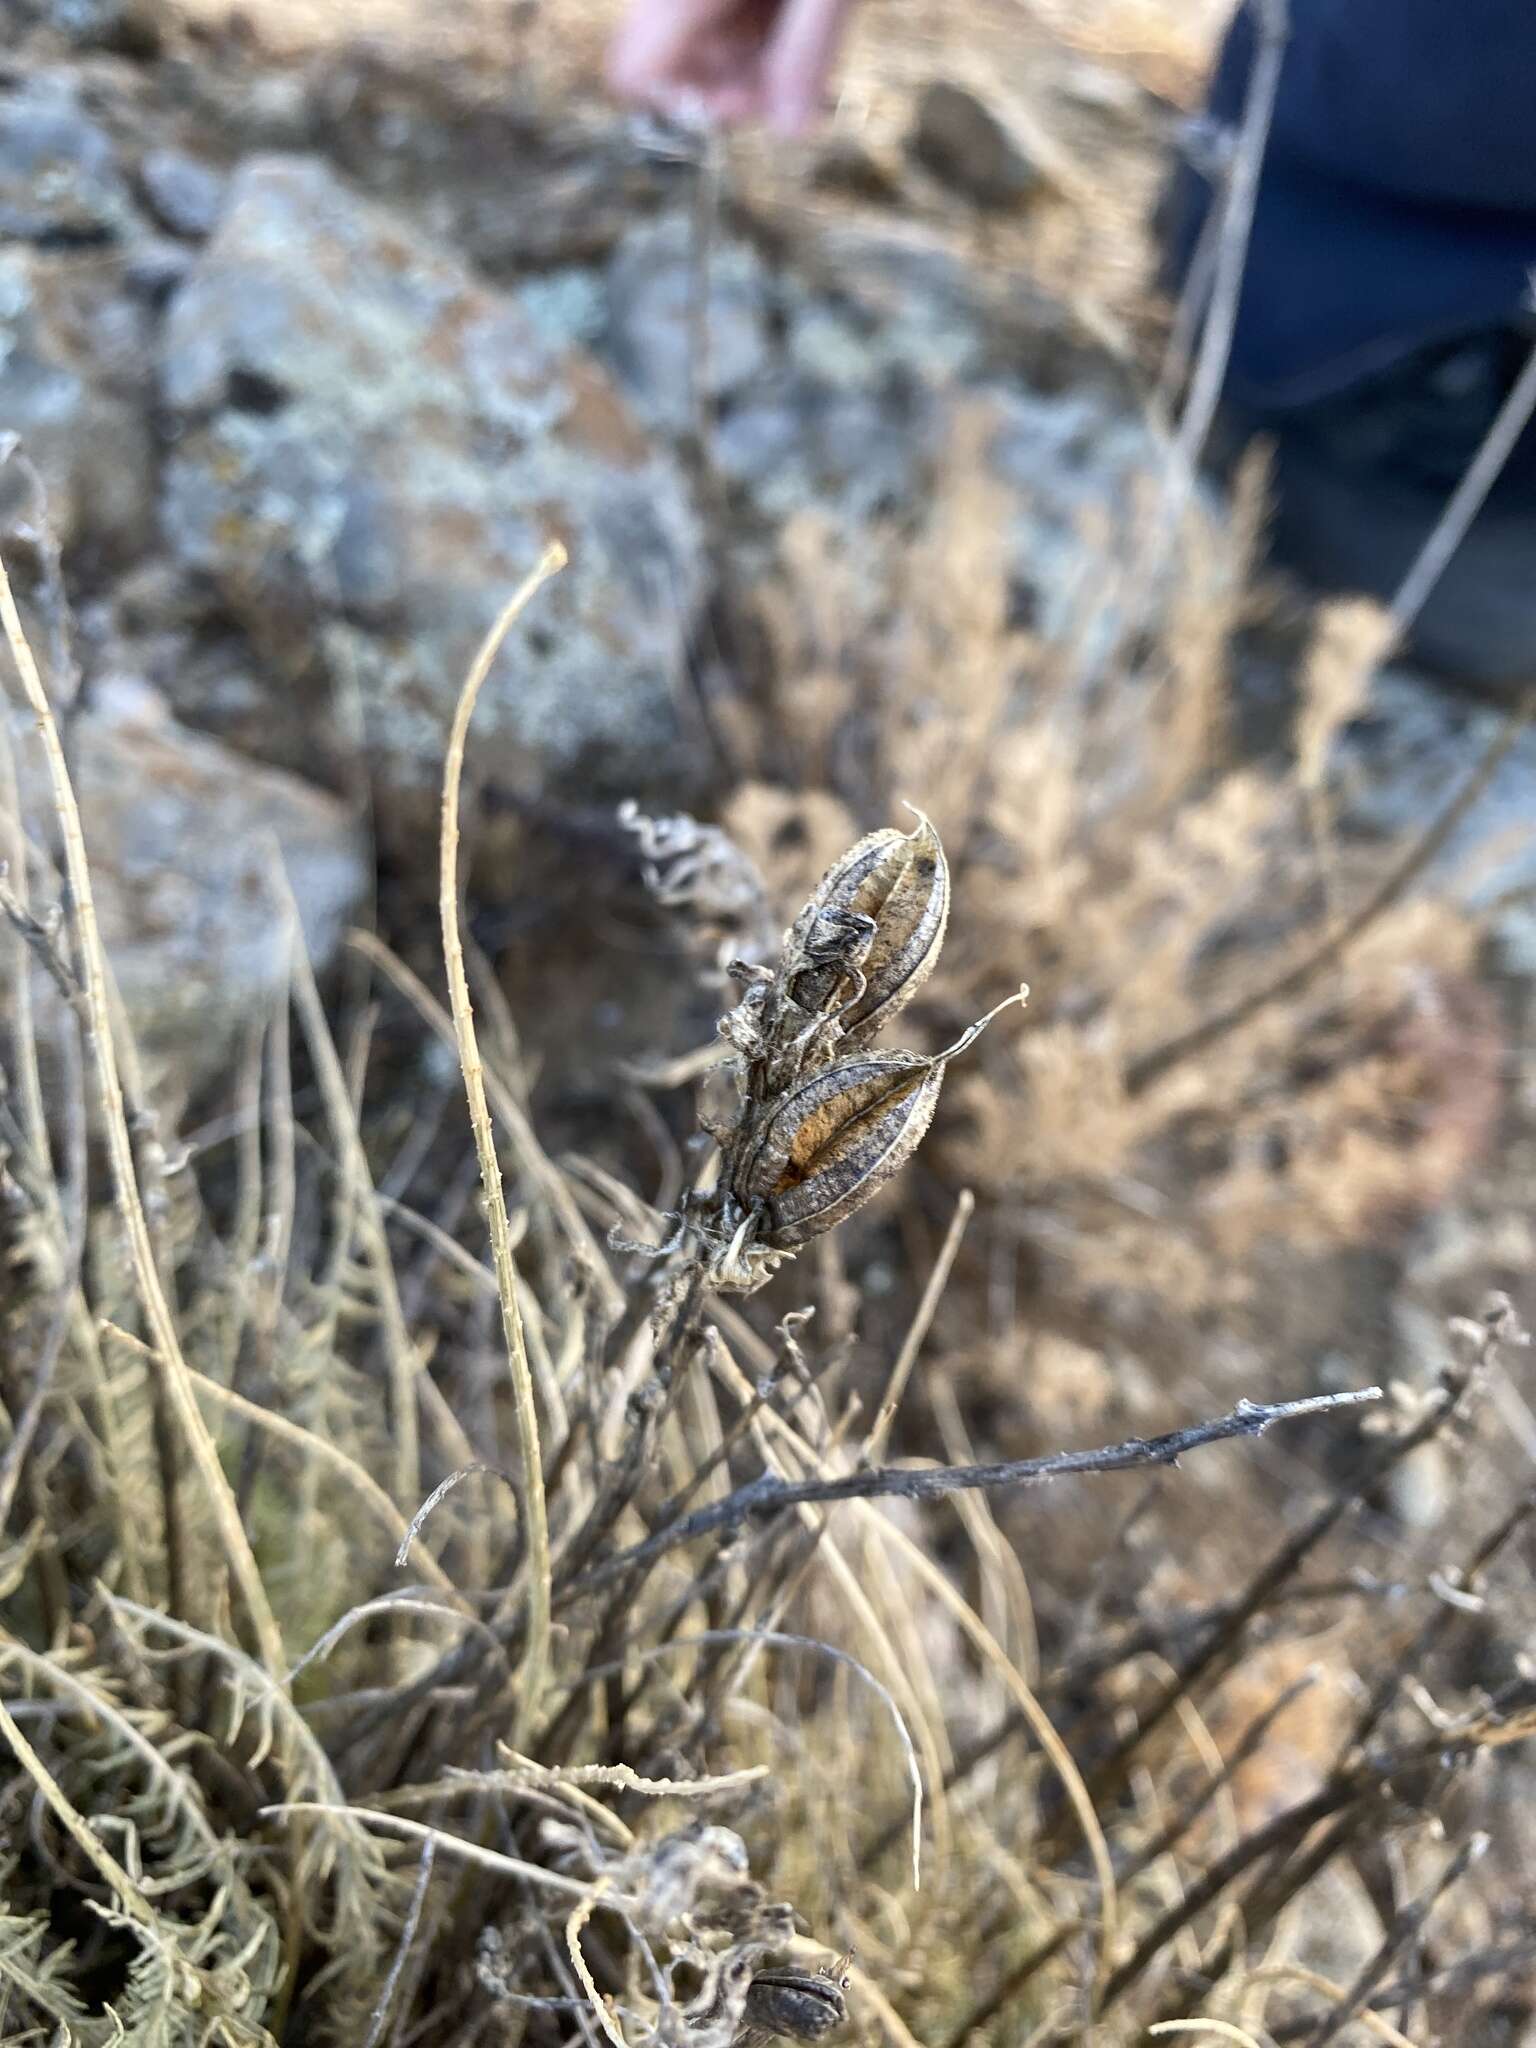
(157, 1309)
(535, 1514)
(580, 1915)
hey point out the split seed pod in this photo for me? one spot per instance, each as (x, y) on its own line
(901, 880)
(835, 1139)
(801, 2005)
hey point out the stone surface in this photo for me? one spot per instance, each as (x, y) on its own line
(184, 195)
(60, 181)
(74, 347)
(1397, 767)
(181, 835)
(959, 140)
(651, 288)
(371, 450)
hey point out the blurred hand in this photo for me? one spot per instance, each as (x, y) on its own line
(731, 60)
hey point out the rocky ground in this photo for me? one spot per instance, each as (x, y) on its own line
(306, 354)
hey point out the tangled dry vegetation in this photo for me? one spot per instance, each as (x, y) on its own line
(401, 1646)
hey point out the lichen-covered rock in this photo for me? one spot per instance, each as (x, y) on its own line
(371, 449)
(653, 282)
(73, 349)
(182, 837)
(60, 181)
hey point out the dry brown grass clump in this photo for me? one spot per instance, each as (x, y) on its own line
(402, 1647)
(1146, 1156)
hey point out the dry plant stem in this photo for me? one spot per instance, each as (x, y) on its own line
(362, 1216)
(1466, 500)
(1150, 1067)
(1174, 1829)
(922, 1322)
(768, 1495)
(380, 2021)
(67, 1205)
(1218, 2030)
(106, 1866)
(418, 1831)
(1405, 1929)
(1215, 347)
(580, 1915)
(1231, 249)
(535, 1519)
(173, 1365)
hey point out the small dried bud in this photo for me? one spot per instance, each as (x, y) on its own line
(803, 2005)
(834, 1140)
(901, 881)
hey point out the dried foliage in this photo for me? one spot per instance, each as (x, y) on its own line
(794, 1742)
(1113, 837)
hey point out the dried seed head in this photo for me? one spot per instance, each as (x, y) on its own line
(834, 1140)
(828, 953)
(901, 881)
(803, 2005)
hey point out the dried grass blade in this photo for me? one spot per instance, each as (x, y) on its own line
(535, 1514)
(157, 1309)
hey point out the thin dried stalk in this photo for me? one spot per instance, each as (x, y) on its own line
(922, 1321)
(125, 1184)
(365, 1217)
(101, 1860)
(535, 1513)
(361, 1483)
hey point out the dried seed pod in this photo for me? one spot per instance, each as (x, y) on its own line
(833, 946)
(901, 880)
(834, 1140)
(800, 2004)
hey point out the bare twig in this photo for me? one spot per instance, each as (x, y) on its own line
(1424, 572)
(1231, 251)
(769, 1495)
(380, 2020)
(1151, 1066)
(1405, 1929)
(1466, 501)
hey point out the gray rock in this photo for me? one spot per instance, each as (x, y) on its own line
(182, 835)
(184, 195)
(372, 449)
(130, 28)
(1398, 766)
(1078, 462)
(649, 334)
(73, 351)
(800, 442)
(59, 176)
(959, 140)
